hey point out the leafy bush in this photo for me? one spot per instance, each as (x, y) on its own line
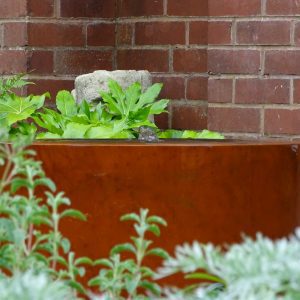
(120, 114)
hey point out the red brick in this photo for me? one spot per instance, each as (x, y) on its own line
(232, 119)
(79, 61)
(124, 34)
(263, 32)
(234, 7)
(233, 61)
(40, 62)
(297, 91)
(297, 34)
(15, 34)
(152, 60)
(101, 35)
(136, 8)
(264, 91)
(285, 62)
(197, 88)
(282, 121)
(41, 86)
(220, 90)
(13, 8)
(219, 33)
(38, 8)
(187, 8)
(189, 117)
(162, 121)
(283, 7)
(13, 61)
(198, 32)
(55, 35)
(87, 8)
(173, 88)
(192, 60)
(160, 33)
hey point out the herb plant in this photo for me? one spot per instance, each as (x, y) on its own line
(126, 279)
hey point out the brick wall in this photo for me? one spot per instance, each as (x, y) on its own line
(243, 60)
(254, 67)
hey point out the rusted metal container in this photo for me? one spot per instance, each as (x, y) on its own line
(209, 191)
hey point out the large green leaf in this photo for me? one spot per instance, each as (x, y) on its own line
(150, 95)
(17, 108)
(66, 104)
(158, 107)
(132, 93)
(75, 131)
(100, 132)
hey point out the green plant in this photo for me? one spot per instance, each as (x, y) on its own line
(255, 269)
(125, 279)
(30, 237)
(190, 134)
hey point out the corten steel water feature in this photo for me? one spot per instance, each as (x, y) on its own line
(209, 191)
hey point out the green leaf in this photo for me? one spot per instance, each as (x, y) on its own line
(75, 131)
(16, 108)
(117, 92)
(113, 105)
(83, 261)
(85, 109)
(47, 135)
(150, 95)
(104, 262)
(205, 276)
(18, 183)
(66, 104)
(158, 252)
(131, 217)
(73, 213)
(76, 285)
(100, 132)
(6, 230)
(47, 182)
(66, 245)
(158, 107)
(122, 248)
(154, 229)
(95, 281)
(156, 219)
(132, 94)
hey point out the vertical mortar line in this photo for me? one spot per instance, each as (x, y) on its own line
(170, 116)
(264, 7)
(233, 31)
(187, 33)
(165, 4)
(116, 46)
(262, 120)
(233, 90)
(292, 32)
(186, 78)
(171, 69)
(56, 8)
(262, 62)
(133, 33)
(291, 90)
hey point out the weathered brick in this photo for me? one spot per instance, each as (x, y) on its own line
(219, 32)
(282, 121)
(152, 60)
(40, 62)
(234, 7)
(15, 34)
(263, 32)
(283, 7)
(220, 90)
(233, 61)
(13, 8)
(38, 8)
(101, 35)
(57, 35)
(13, 61)
(187, 8)
(189, 117)
(197, 88)
(173, 88)
(285, 62)
(226, 119)
(265, 91)
(162, 121)
(136, 8)
(76, 62)
(159, 33)
(297, 34)
(198, 32)
(191, 60)
(124, 34)
(87, 8)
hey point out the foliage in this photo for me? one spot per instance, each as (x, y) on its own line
(254, 269)
(125, 279)
(30, 286)
(30, 236)
(120, 114)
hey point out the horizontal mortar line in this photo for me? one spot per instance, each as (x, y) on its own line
(67, 48)
(187, 101)
(68, 22)
(70, 19)
(161, 19)
(242, 135)
(162, 47)
(254, 47)
(249, 19)
(50, 77)
(180, 75)
(285, 106)
(258, 17)
(251, 76)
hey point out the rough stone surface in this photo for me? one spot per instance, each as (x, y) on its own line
(88, 86)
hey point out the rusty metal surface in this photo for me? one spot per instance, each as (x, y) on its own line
(211, 192)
